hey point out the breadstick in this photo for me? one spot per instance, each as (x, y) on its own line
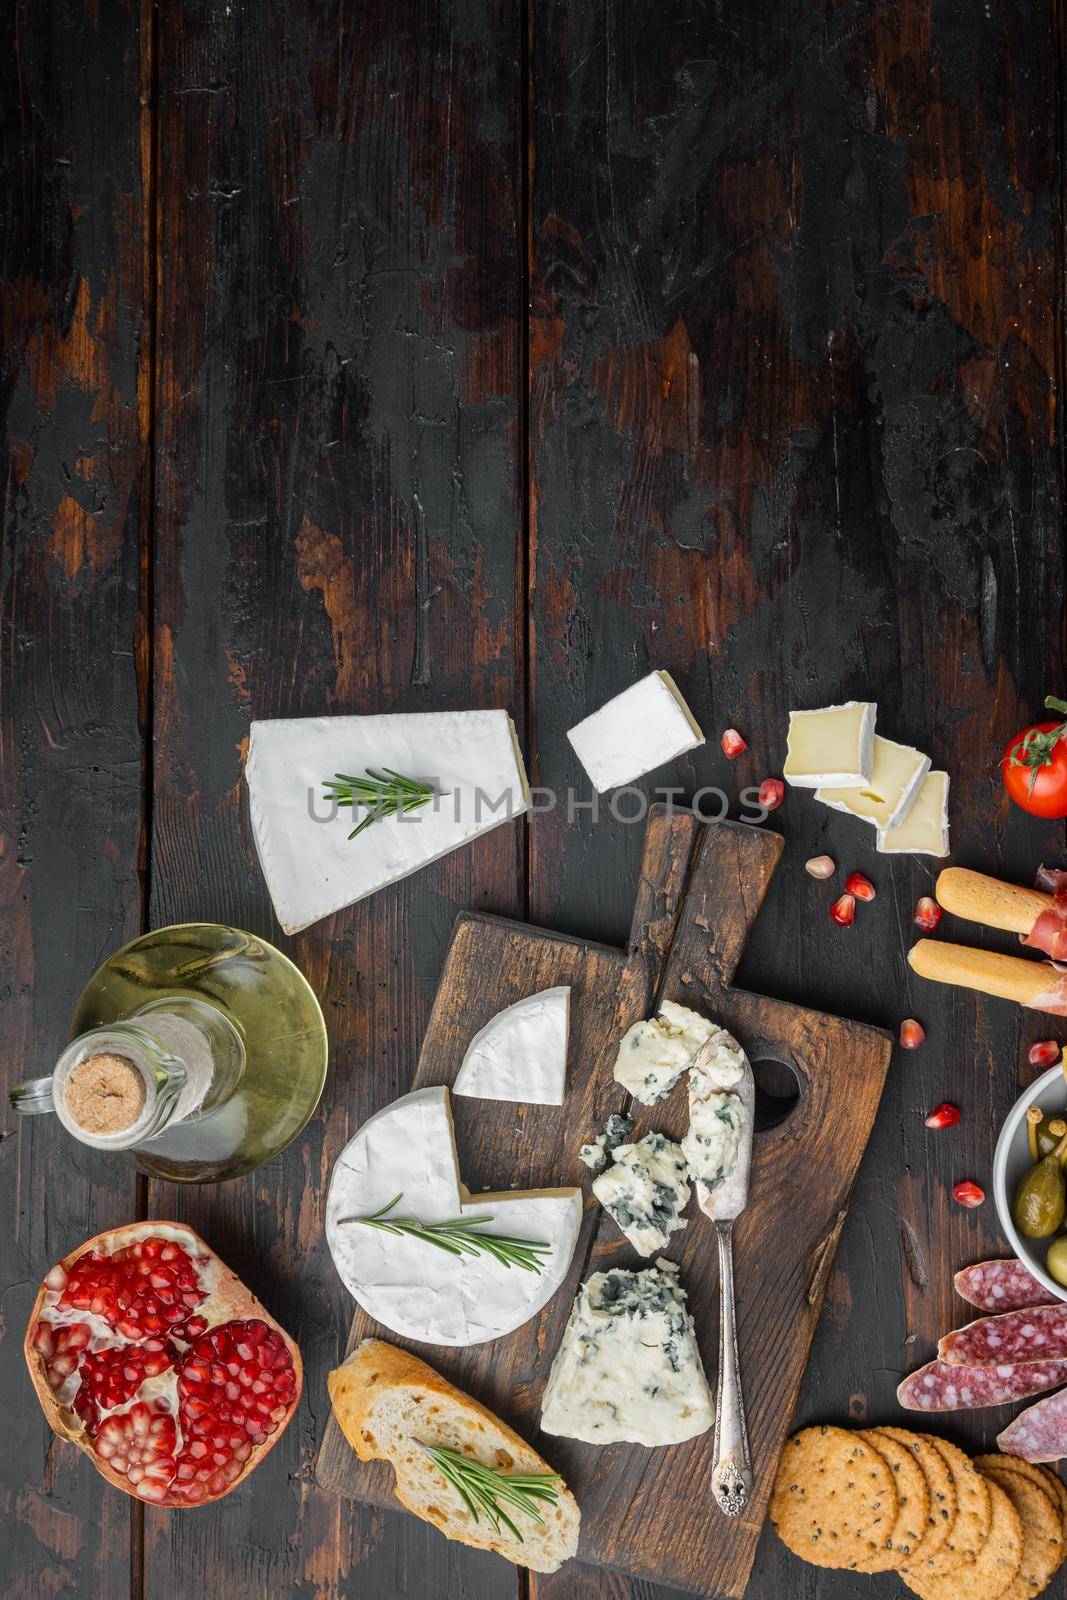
(1036, 984)
(979, 898)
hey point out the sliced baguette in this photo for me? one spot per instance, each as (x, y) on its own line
(385, 1400)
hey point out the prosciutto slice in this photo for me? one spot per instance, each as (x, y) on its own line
(1053, 998)
(1040, 1432)
(1049, 932)
(1002, 1286)
(1036, 1334)
(940, 1387)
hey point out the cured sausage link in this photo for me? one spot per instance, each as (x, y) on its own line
(1040, 1432)
(1002, 1286)
(940, 1387)
(1037, 1334)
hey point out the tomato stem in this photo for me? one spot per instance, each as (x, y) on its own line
(1036, 747)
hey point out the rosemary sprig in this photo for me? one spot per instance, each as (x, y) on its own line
(484, 1488)
(457, 1236)
(382, 794)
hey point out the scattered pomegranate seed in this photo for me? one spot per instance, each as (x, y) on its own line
(771, 793)
(968, 1194)
(820, 866)
(733, 744)
(912, 1034)
(1044, 1053)
(860, 886)
(927, 914)
(843, 911)
(946, 1115)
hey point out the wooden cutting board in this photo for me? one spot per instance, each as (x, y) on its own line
(651, 1513)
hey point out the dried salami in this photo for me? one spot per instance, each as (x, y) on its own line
(939, 1387)
(1036, 1334)
(1040, 1432)
(1002, 1286)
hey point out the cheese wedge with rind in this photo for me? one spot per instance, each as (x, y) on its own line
(414, 1288)
(884, 799)
(470, 758)
(924, 831)
(639, 730)
(521, 1053)
(834, 745)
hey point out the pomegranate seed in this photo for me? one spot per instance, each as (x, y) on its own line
(1044, 1053)
(968, 1194)
(912, 1034)
(843, 911)
(860, 886)
(820, 866)
(927, 914)
(771, 793)
(946, 1115)
(733, 744)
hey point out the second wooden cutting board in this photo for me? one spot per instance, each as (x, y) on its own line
(651, 1512)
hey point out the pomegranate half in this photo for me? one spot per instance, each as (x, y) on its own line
(152, 1356)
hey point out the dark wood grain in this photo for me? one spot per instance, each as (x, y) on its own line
(73, 331)
(652, 1513)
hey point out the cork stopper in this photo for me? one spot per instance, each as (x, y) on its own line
(104, 1094)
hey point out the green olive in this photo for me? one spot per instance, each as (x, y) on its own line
(1040, 1200)
(1046, 1139)
(1056, 1259)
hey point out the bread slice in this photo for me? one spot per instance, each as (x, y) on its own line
(388, 1402)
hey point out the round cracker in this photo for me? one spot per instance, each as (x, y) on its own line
(1058, 1490)
(1043, 1477)
(1042, 1550)
(968, 1532)
(940, 1489)
(909, 1529)
(835, 1500)
(995, 1567)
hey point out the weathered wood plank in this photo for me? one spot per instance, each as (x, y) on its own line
(794, 436)
(338, 532)
(73, 329)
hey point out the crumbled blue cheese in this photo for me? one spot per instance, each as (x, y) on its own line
(654, 1054)
(645, 1191)
(628, 1367)
(617, 1131)
(718, 1146)
(711, 1146)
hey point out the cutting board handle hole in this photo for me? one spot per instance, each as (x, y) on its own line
(777, 1091)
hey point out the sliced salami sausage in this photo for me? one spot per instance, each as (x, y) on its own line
(1002, 1286)
(939, 1387)
(1040, 1432)
(1037, 1334)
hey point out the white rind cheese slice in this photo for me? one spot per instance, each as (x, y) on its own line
(646, 726)
(718, 1147)
(654, 1054)
(924, 831)
(417, 1290)
(645, 1191)
(888, 796)
(831, 746)
(521, 1053)
(471, 759)
(628, 1367)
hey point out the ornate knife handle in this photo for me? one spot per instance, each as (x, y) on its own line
(731, 1478)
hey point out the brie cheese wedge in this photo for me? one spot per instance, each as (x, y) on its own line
(628, 1367)
(521, 1053)
(412, 1287)
(470, 759)
(654, 1054)
(924, 831)
(646, 726)
(834, 745)
(886, 798)
(645, 1191)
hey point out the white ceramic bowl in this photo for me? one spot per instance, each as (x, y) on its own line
(1011, 1160)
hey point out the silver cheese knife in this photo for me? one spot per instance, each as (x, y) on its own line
(731, 1478)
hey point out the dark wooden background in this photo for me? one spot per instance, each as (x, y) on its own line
(373, 356)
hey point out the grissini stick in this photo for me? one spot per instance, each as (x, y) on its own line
(1038, 985)
(1039, 919)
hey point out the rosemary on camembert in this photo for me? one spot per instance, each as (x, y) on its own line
(458, 1236)
(382, 794)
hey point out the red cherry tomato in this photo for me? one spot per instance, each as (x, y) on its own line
(1034, 766)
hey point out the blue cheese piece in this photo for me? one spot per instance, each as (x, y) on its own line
(628, 1367)
(654, 1054)
(417, 1290)
(470, 759)
(718, 1147)
(645, 1191)
(617, 1130)
(521, 1053)
(646, 726)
